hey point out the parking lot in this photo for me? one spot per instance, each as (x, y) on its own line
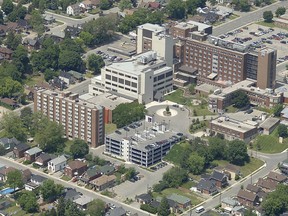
(116, 50)
(258, 36)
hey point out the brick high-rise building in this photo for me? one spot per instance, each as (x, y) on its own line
(80, 119)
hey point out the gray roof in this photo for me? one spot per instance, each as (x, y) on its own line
(107, 169)
(179, 199)
(38, 178)
(83, 200)
(217, 175)
(230, 201)
(75, 74)
(205, 184)
(284, 112)
(6, 140)
(145, 197)
(269, 123)
(33, 151)
(58, 160)
(71, 194)
(118, 211)
(22, 147)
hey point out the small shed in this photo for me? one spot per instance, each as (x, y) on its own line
(269, 125)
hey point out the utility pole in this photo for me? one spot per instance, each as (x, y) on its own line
(251, 178)
(191, 212)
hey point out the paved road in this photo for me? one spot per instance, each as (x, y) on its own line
(80, 88)
(10, 162)
(248, 18)
(271, 163)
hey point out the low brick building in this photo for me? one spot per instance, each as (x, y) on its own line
(75, 168)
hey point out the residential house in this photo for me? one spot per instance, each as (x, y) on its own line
(277, 177)
(43, 159)
(232, 170)
(228, 204)
(75, 168)
(57, 164)
(103, 182)
(26, 175)
(118, 211)
(9, 143)
(57, 83)
(23, 24)
(71, 194)
(31, 154)
(49, 19)
(207, 186)
(107, 169)
(220, 179)
(253, 188)
(267, 185)
(66, 77)
(18, 150)
(4, 172)
(4, 205)
(73, 10)
(82, 202)
(31, 44)
(283, 166)
(144, 198)
(154, 5)
(91, 174)
(181, 201)
(239, 211)
(89, 4)
(247, 198)
(10, 102)
(6, 53)
(78, 76)
(35, 182)
(73, 31)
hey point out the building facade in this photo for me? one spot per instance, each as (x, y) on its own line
(79, 118)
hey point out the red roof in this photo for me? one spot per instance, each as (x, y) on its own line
(154, 5)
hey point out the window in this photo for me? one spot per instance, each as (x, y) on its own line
(134, 85)
(108, 76)
(114, 78)
(121, 81)
(127, 82)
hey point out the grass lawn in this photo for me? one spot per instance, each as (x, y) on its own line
(270, 25)
(202, 110)
(110, 128)
(270, 143)
(2, 133)
(94, 11)
(253, 165)
(231, 109)
(175, 152)
(68, 144)
(15, 211)
(195, 200)
(189, 184)
(221, 163)
(31, 81)
(233, 16)
(177, 97)
(65, 178)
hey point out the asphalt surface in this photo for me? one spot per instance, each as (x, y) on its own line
(83, 190)
(247, 18)
(80, 88)
(271, 162)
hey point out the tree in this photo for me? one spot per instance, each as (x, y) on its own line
(21, 59)
(176, 9)
(50, 74)
(37, 22)
(175, 177)
(61, 206)
(164, 208)
(14, 179)
(13, 40)
(237, 152)
(1, 18)
(79, 148)
(95, 63)
(268, 16)
(28, 201)
(13, 126)
(130, 173)
(249, 212)
(277, 110)
(135, 112)
(70, 60)
(105, 4)
(125, 4)
(26, 116)
(87, 38)
(192, 5)
(196, 163)
(72, 210)
(191, 88)
(213, 2)
(282, 131)
(240, 99)
(218, 148)
(50, 191)
(280, 11)
(7, 6)
(96, 208)
(50, 138)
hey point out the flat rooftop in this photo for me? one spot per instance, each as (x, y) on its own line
(152, 27)
(135, 66)
(107, 100)
(269, 123)
(143, 135)
(233, 124)
(184, 25)
(206, 88)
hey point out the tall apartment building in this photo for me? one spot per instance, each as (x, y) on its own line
(80, 119)
(266, 68)
(144, 78)
(155, 37)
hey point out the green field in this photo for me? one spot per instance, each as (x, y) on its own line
(270, 143)
(110, 128)
(174, 155)
(177, 97)
(253, 165)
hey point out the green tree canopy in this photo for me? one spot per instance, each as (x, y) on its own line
(127, 113)
(268, 16)
(13, 40)
(50, 191)
(70, 60)
(7, 6)
(79, 148)
(105, 4)
(277, 110)
(164, 208)
(196, 164)
(28, 202)
(96, 208)
(125, 4)
(95, 63)
(13, 126)
(237, 152)
(26, 116)
(37, 22)
(282, 131)
(240, 99)
(50, 138)
(175, 177)
(280, 11)
(14, 179)
(176, 9)
(21, 59)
